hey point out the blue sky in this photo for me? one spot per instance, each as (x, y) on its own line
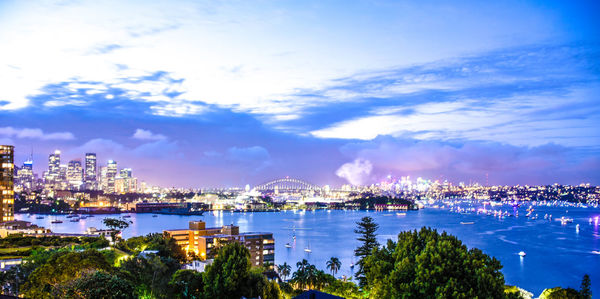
(192, 93)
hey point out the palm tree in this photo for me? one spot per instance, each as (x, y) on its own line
(302, 265)
(284, 270)
(334, 265)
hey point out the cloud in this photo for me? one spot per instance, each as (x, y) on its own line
(467, 161)
(35, 134)
(356, 172)
(523, 96)
(142, 134)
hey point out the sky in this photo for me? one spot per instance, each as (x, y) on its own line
(228, 93)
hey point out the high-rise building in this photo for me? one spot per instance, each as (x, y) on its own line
(54, 163)
(7, 195)
(125, 173)
(62, 182)
(90, 177)
(111, 174)
(125, 182)
(25, 176)
(75, 174)
(53, 176)
(103, 178)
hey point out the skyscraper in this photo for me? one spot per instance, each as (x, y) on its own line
(6, 183)
(90, 176)
(111, 174)
(25, 176)
(125, 182)
(75, 174)
(52, 177)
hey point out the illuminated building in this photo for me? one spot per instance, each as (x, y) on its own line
(52, 176)
(7, 196)
(125, 183)
(202, 241)
(111, 174)
(125, 173)
(103, 178)
(75, 174)
(62, 182)
(25, 176)
(90, 176)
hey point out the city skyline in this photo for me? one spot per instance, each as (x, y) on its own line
(230, 94)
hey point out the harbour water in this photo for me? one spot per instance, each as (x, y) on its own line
(556, 254)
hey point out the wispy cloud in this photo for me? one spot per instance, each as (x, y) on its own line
(509, 95)
(142, 134)
(35, 133)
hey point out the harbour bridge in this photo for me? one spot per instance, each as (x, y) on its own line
(287, 184)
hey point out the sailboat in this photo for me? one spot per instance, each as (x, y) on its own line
(307, 248)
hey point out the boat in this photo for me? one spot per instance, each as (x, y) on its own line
(287, 245)
(471, 222)
(564, 220)
(522, 253)
(39, 217)
(595, 252)
(154, 215)
(56, 221)
(307, 249)
(126, 216)
(74, 220)
(577, 228)
(401, 214)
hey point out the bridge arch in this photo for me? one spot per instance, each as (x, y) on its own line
(287, 184)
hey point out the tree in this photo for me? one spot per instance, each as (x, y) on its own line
(229, 274)
(426, 264)
(60, 268)
(559, 293)
(334, 265)
(116, 225)
(345, 289)
(284, 269)
(150, 275)
(186, 284)
(585, 291)
(98, 284)
(367, 235)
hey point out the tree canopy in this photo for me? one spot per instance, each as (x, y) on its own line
(60, 268)
(98, 284)
(230, 276)
(426, 264)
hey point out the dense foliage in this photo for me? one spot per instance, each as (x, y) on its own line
(367, 201)
(62, 268)
(230, 276)
(166, 247)
(98, 284)
(426, 264)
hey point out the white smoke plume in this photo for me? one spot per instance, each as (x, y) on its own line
(356, 172)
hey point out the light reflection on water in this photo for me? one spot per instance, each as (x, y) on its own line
(556, 254)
